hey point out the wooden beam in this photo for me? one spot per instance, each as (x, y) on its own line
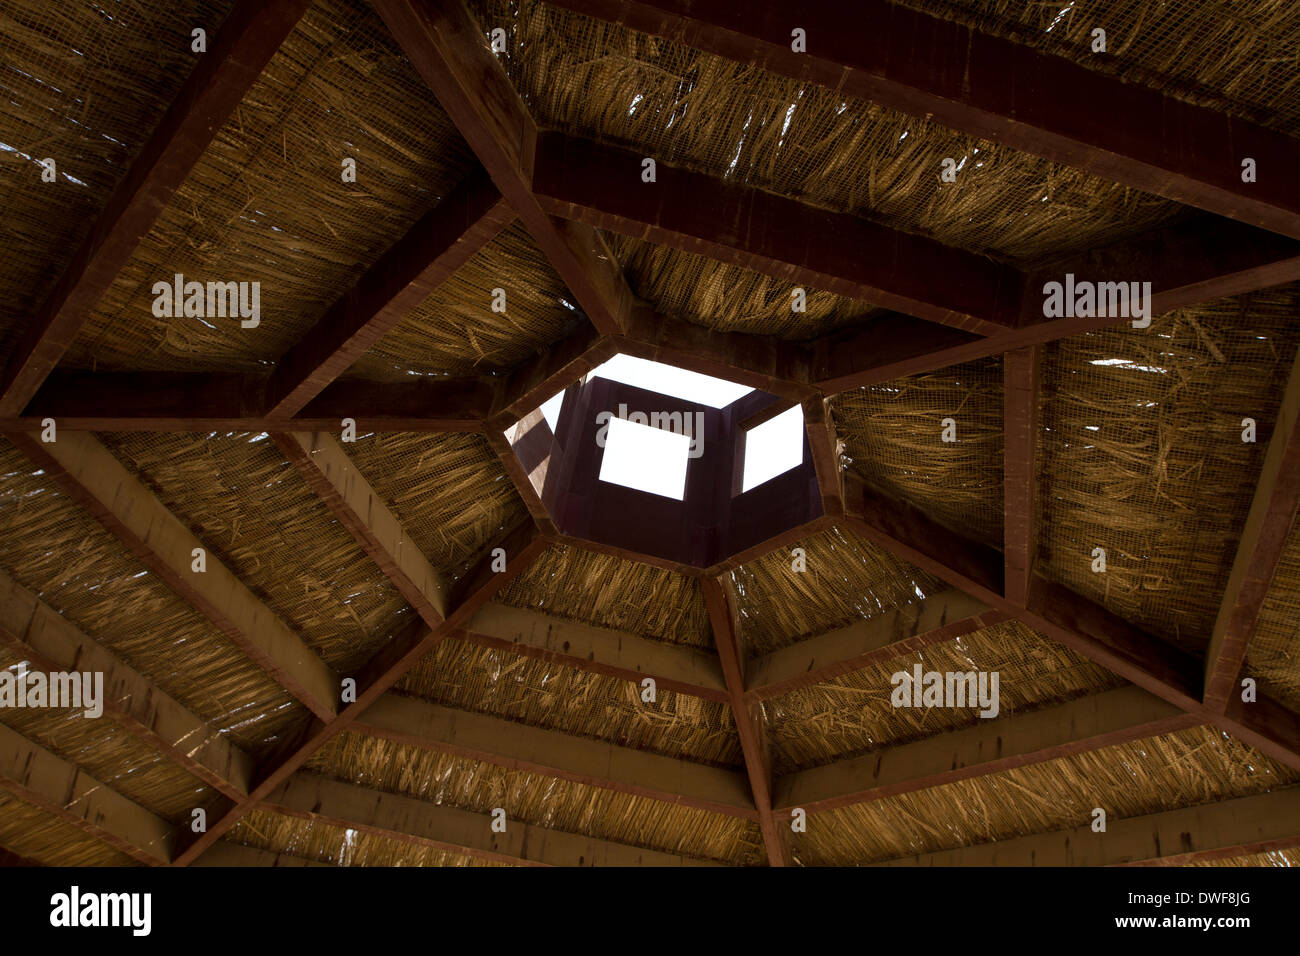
(596, 650)
(1187, 264)
(451, 53)
(748, 717)
(33, 774)
(418, 822)
(600, 184)
(89, 473)
(53, 644)
(581, 351)
(824, 445)
(228, 854)
(985, 86)
(378, 675)
(200, 402)
(506, 743)
(991, 746)
(1213, 831)
(441, 242)
(10, 859)
(903, 630)
(325, 466)
(1020, 373)
(1263, 539)
(248, 39)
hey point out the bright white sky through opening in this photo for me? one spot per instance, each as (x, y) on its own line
(645, 458)
(773, 448)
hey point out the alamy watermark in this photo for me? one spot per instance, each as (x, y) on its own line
(688, 424)
(213, 300)
(923, 688)
(1085, 299)
(76, 909)
(75, 690)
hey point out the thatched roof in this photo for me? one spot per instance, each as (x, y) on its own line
(342, 551)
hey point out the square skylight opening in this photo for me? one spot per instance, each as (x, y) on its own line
(773, 448)
(670, 380)
(645, 458)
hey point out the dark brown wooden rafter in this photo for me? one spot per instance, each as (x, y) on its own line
(1020, 376)
(435, 247)
(246, 42)
(522, 546)
(985, 86)
(748, 717)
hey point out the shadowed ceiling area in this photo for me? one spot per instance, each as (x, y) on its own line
(305, 319)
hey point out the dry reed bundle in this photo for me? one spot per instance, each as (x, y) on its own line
(1271, 858)
(257, 516)
(1142, 454)
(612, 592)
(1211, 53)
(326, 843)
(267, 203)
(538, 800)
(455, 332)
(501, 684)
(42, 837)
(1273, 654)
(102, 748)
(853, 714)
(892, 434)
(76, 567)
(847, 579)
(728, 298)
(448, 491)
(1200, 765)
(804, 141)
(85, 89)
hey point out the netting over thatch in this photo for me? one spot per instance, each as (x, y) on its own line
(43, 837)
(84, 89)
(731, 119)
(326, 843)
(1273, 654)
(1141, 454)
(1200, 765)
(1272, 858)
(260, 518)
(267, 203)
(108, 752)
(501, 684)
(847, 579)
(449, 492)
(1234, 59)
(455, 330)
(729, 298)
(534, 799)
(853, 714)
(52, 548)
(611, 592)
(894, 433)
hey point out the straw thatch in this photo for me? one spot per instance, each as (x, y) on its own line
(847, 579)
(600, 589)
(538, 800)
(501, 684)
(455, 330)
(72, 564)
(729, 298)
(40, 836)
(893, 438)
(449, 492)
(326, 843)
(260, 518)
(732, 119)
(1200, 765)
(1142, 454)
(1272, 858)
(1213, 54)
(853, 714)
(1273, 654)
(267, 202)
(86, 90)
